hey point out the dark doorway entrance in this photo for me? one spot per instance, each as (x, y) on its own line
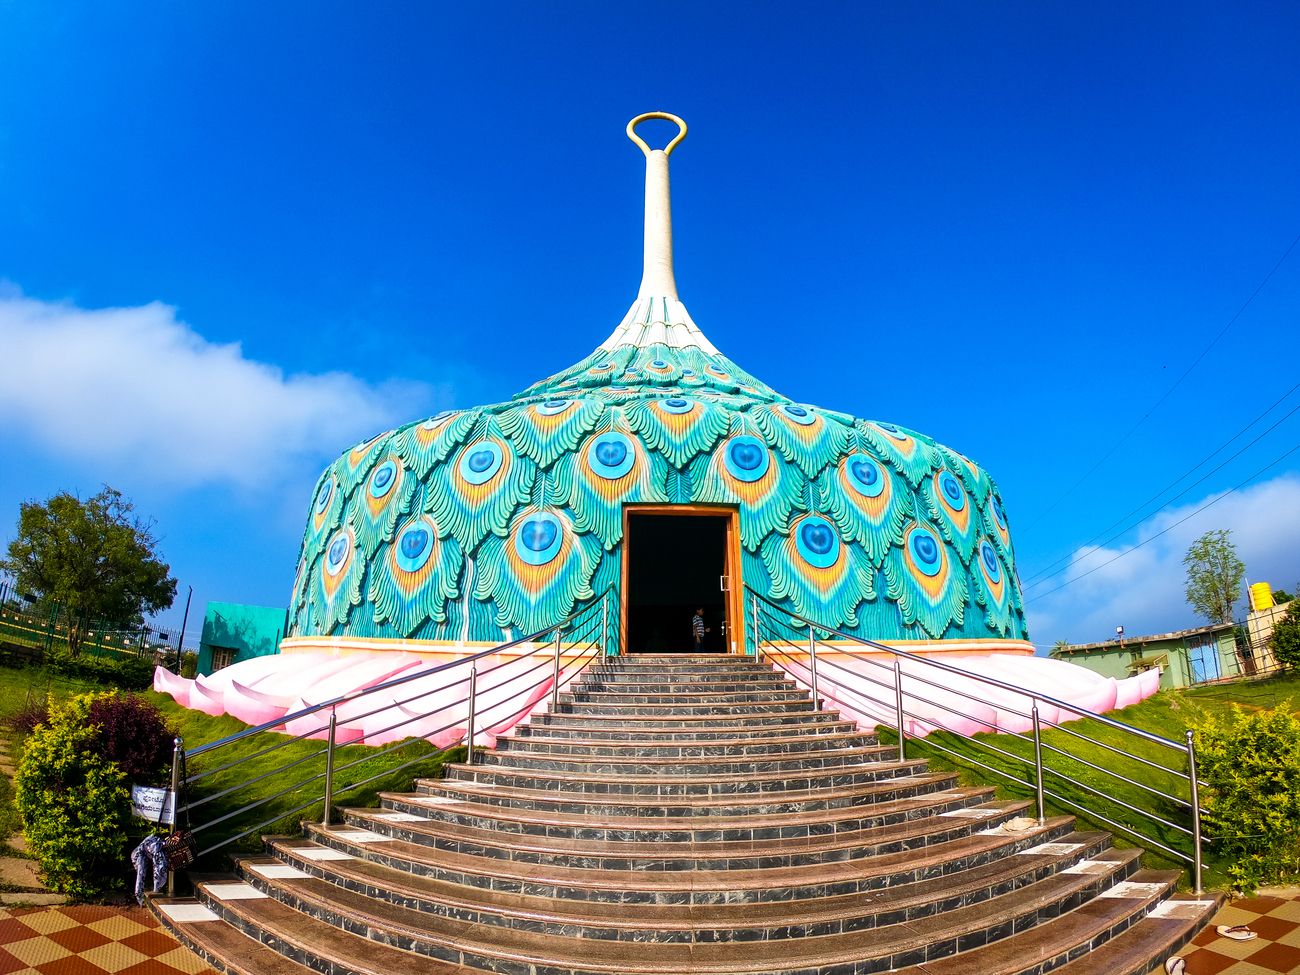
(675, 566)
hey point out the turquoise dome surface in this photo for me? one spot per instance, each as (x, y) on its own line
(490, 523)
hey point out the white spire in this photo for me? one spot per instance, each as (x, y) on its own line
(657, 315)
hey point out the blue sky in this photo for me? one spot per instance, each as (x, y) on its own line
(236, 238)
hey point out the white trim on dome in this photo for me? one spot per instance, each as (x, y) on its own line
(659, 319)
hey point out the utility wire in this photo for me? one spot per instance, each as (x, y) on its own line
(1046, 570)
(1177, 382)
(1134, 548)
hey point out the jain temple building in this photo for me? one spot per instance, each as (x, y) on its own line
(691, 626)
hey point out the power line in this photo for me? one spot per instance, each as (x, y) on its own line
(1046, 570)
(1145, 541)
(1177, 382)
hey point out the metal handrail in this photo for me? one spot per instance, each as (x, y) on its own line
(779, 639)
(587, 629)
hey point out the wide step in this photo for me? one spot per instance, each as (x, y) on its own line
(702, 804)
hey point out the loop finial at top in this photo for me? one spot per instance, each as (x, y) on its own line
(667, 116)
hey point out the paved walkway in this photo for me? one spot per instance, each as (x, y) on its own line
(129, 941)
(1273, 915)
(90, 941)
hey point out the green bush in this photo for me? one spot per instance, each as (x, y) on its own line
(75, 804)
(127, 673)
(1251, 808)
(1285, 640)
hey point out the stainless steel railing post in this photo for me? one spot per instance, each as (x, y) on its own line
(329, 766)
(1196, 811)
(758, 642)
(555, 674)
(1038, 763)
(812, 656)
(178, 759)
(898, 710)
(604, 625)
(473, 709)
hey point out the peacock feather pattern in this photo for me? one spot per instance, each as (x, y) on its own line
(417, 578)
(867, 503)
(821, 574)
(925, 581)
(949, 506)
(498, 521)
(539, 571)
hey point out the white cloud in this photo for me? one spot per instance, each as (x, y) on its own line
(1143, 591)
(138, 389)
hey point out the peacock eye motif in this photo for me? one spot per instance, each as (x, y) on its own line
(950, 489)
(553, 407)
(326, 493)
(480, 463)
(990, 559)
(414, 546)
(799, 415)
(747, 458)
(611, 455)
(925, 551)
(538, 539)
(676, 405)
(383, 479)
(998, 513)
(817, 542)
(336, 556)
(865, 476)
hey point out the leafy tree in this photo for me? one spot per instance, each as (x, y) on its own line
(1214, 575)
(95, 558)
(1285, 639)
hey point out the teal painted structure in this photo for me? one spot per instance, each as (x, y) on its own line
(235, 632)
(490, 523)
(493, 522)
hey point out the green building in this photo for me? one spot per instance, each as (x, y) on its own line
(1184, 657)
(234, 632)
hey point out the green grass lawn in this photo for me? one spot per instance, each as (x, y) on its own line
(1168, 714)
(269, 769)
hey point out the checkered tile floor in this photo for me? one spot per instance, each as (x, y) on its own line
(1276, 919)
(90, 941)
(128, 941)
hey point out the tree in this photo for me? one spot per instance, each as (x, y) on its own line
(1285, 639)
(1214, 575)
(94, 558)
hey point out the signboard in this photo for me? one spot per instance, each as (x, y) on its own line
(153, 804)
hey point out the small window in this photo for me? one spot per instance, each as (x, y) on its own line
(222, 657)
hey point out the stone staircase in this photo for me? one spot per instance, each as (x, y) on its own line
(684, 814)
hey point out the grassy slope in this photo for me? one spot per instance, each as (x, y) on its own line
(1167, 714)
(279, 813)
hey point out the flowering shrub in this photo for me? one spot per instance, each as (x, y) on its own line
(1251, 809)
(72, 787)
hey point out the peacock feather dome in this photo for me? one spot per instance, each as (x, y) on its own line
(489, 523)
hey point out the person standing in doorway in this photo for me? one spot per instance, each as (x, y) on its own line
(697, 628)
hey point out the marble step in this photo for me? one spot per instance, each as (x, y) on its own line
(752, 825)
(1057, 914)
(633, 709)
(589, 763)
(223, 945)
(749, 921)
(705, 720)
(746, 745)
(700, 805)
(687, 886)
(1159, 935)
(590, 853)
(682, 698)
(666, 786)
(720, 729)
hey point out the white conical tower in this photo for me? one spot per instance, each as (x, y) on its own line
(658, 316)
